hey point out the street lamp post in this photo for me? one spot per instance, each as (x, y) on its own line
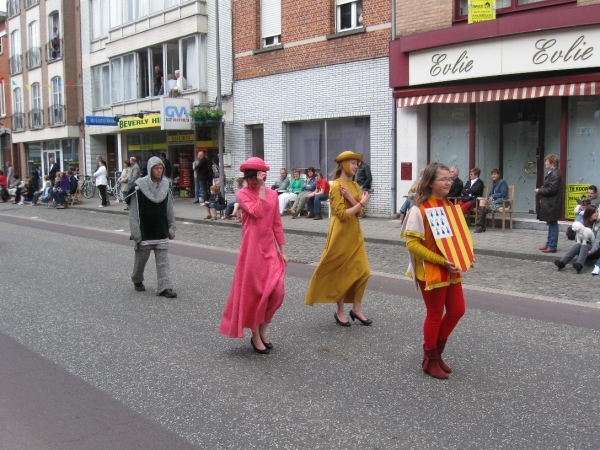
(219, 102)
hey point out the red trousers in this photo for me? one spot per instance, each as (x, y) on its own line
(437, 325)
(465, 206)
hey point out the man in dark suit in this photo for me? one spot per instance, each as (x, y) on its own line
(471, 190)
(457, 184)
(167, 164)
(550, 202)
(54, 168)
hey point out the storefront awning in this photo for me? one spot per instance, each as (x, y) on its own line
(495, 95)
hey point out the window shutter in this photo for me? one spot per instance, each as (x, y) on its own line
(270, 18)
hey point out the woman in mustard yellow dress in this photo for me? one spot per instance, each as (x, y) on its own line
(343, 271)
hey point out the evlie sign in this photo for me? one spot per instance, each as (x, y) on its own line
(572, 48)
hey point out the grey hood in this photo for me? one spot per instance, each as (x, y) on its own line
(148, 188)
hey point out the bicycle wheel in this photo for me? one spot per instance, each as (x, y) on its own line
(88, 190)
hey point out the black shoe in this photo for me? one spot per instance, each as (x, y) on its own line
(197, 201)
(262, 352)
(339, 322)
(310, 215)
(267, 344)
(139, 286)
(577, 267)
(168, 293)
(561, 265)
(366, 322)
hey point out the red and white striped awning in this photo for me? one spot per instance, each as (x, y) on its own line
(495, 95)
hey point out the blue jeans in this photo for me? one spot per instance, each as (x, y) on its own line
(407, 204)
(313, 205)
(230, 206)
(552, 242)
(197, 189)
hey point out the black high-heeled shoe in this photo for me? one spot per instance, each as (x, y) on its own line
(267, 344)
(262, 352)
(339, 322)
(366, 322)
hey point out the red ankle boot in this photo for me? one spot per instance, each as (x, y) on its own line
(431, 365)
(440, 348)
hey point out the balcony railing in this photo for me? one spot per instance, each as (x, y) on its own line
(36, 119)
(14, 65)
(30, 3)
(54, 50)
(56, 114)
(13, 8)
(34, 57)
(18, 122)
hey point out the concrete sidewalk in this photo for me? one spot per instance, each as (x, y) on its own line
(522, 242)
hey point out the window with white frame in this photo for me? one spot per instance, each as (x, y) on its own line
(36, 103)
(18, 101)
(101, 82)
(348, 14)
(15, 43)
(1, 44)
(99, 18)
(270, 22)
(34, 53)
(57, 109)
(57, 95)
(123, 77)
(2, 100)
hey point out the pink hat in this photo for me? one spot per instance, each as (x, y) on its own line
(254, 163)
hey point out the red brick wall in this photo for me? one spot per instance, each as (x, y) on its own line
(4, 73)
(415, 17)
(301, 20)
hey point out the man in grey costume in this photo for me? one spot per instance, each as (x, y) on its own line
(152, 223)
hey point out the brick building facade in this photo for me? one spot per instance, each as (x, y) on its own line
(313, 85)
(499, 94)
(45, 83)
(5, 108)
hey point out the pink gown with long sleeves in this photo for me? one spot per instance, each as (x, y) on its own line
(257, 289)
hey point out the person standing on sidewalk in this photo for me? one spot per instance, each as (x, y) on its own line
(152, 224)
(101, 181)
(343, 271)
(134, 174)
(550, 202)
(432, 227)
(196, 179)
(257, 289)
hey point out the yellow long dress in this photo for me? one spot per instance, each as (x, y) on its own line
(343, 271)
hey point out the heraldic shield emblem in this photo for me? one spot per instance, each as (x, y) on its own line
(450, 232)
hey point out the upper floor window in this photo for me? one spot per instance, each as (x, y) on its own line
(15, 64)
(1, 44)
(17, 100)
(348, 14)
(34, 54)
(502, 6)
(14, 8)
(99, 18)
(270, 22)
(2, 100)
(101, 81)
(30, 3)
(55, 43)
(126, 11)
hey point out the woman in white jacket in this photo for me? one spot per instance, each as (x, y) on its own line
(101, 181)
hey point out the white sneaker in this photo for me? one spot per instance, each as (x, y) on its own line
(100, 206)
(596, 270)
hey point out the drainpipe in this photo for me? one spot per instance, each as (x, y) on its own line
(223, 182)
(394, 188)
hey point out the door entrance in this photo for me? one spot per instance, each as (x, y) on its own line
(522, 144)
(46, 156)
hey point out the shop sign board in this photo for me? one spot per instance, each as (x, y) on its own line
(575, 192)
(101, 120)
(175, 113)
(180, 138)
(572, 48)
(481, 10)
(135, 123)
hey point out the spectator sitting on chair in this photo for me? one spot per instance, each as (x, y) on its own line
(17, 183)
(215, 203)
(592, 199)
(4, 196)
(364, 177)
(293, 189)
(498, 193)
(45, 192)
(25, 194)
(310, 184)
(73, 181)
(471, 190)
(282, 182)
(321, 193)
(408, 203)
(233, 206)
(457, 184)
(61, 194)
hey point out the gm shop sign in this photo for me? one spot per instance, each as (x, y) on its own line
(175, 114)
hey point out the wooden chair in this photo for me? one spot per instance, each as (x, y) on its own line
(75, 198)
(507, 208)
(474, 212)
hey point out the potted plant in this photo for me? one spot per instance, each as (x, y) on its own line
(214, 115)
(199, 115)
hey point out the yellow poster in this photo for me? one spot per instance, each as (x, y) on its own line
(575, 192)
(482, 10)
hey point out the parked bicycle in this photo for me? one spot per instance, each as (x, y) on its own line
(88, 188)
(114, 189)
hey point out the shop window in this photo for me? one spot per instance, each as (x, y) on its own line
(584, 129)
(270, 22)
(449, 136)
(504, 6)
(348, 14)
(317, 143)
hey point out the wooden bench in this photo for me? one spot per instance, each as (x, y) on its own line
(507, 208)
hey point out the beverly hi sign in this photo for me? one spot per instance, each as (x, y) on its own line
(533, 52)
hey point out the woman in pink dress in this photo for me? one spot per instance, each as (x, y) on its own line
(257, 289)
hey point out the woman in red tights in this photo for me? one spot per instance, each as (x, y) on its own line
(471, 190)
(437, 277)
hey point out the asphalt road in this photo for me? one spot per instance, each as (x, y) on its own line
(86, 362)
